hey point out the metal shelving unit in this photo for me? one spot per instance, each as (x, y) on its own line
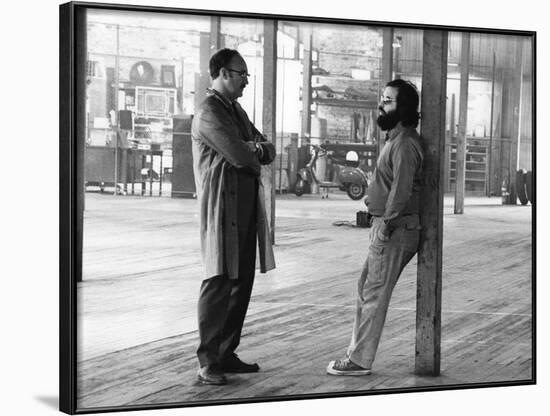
(476, 165)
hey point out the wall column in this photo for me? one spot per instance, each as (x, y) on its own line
(208, 44)
(461, 140)
(428, 298)
(386, 72)
(515, 103)
(269, 115)
(306, 83)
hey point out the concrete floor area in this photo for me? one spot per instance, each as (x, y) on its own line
(142, 272)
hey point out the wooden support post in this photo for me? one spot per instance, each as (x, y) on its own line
(515, 103)
(117, 107)
(202, 79)
(269, 114)
(297, 44)
(386, 74)
(208, 44)
(489, 176)
(497, 161)
(397, 64)
(215, 34)
(353, 127)
(461, 140)
(428, 304)
(306, 83)
(182, 102)
(453, 115)
(292, 167)
(448, 146)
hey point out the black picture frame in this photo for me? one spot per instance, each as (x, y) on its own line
(72, 123)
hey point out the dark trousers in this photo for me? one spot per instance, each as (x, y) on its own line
(223, 302)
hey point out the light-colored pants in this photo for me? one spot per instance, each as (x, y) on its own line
(385, 262)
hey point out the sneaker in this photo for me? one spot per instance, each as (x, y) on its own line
(346, 368)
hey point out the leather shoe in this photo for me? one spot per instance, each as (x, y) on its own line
(211, 374)
(233, 364)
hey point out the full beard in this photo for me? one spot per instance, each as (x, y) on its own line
(387, 121)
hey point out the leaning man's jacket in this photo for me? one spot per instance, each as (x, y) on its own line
(219, 131)
(395, 187)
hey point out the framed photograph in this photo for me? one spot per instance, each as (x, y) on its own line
(260, 207)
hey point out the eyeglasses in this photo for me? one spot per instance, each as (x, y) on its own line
(386, 101)
(242, 74)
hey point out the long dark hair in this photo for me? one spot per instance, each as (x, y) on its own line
(407, 102)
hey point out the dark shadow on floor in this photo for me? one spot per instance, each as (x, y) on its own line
(50, 401)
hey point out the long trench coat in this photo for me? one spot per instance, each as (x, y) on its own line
(219, 150)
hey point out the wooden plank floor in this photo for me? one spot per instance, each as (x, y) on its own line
(136, 312)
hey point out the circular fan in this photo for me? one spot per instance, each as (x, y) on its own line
(142, 73)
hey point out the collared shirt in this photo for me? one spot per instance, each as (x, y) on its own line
(223, 98)
(233, 106)
(396, 182)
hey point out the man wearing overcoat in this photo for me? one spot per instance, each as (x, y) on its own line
(228, 152)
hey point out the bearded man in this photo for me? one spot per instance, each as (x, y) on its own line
(393, 201)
